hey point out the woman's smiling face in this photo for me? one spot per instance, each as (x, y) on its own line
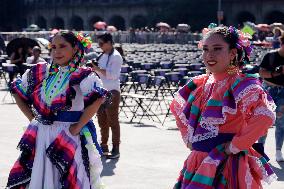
(62, 51)
(216, 53)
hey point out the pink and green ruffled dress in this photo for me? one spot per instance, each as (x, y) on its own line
(217, 109)
(52, 158)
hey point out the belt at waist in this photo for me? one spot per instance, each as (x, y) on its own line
(211, 143)
(67, 116)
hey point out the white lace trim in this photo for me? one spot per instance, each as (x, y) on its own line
(248, 101)
(225, 109)
(96, 166)
(209, 160)
(266, 112)
(248, 178)
(247, 90)
(266, 178)
(178, 108)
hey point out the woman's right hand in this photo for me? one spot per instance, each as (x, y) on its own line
(227, 148)
(31, 118)
(75, 129)
(189, 145)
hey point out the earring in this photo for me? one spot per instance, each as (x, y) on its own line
(232, 68)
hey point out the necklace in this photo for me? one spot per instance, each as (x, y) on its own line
(54, 84)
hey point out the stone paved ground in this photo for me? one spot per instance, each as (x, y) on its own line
(151, 155)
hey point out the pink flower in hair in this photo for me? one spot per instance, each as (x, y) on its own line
(205, 31)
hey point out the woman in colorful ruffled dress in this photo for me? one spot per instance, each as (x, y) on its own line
(220, 115)
(59, 148)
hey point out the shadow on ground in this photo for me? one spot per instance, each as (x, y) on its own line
(279, 171)
(108, 166)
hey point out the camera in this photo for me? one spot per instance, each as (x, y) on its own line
(95, 62)
(92, 63)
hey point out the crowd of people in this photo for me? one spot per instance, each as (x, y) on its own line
(221, 114)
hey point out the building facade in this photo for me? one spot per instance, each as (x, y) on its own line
(82, 14)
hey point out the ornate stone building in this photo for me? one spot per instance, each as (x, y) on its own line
(81, 14)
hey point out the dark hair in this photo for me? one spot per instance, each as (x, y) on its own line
(37, 48)
(120, 50)
(106, 37)
(231, 37)
(69, 37)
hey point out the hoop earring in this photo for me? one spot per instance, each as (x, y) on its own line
(232, 68)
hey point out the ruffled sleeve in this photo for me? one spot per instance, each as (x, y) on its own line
(259, 110)
(182, 107)
(92, 89)
(24, 86)
(20, 87)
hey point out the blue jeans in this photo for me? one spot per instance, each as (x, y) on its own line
(277, 93)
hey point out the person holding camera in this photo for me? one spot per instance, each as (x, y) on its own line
(108, 68)
(272, 72)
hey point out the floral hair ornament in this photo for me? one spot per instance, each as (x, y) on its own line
(205, 31)
(243, 42)
(85, 41)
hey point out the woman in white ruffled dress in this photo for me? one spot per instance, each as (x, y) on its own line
(59, 148)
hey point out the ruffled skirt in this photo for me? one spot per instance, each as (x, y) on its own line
(216, 170)
(52, 158)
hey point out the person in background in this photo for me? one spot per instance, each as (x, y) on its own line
(2, 45)
(89, 57)
(108, 68)
(121, 51)
(36, 56)
(272, 72)
(277, 32)
(17, 58)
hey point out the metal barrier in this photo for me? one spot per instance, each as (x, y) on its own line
(119, 37)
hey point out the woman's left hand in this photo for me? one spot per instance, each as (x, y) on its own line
(227, 148)
(74, 129)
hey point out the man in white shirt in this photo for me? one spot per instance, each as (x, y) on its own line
(109, 67)
(36, 56)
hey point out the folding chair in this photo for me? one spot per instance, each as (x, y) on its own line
(161, 72)
(194, 73)
(166, 65)
(195, 66)
(7, 68)
(126, 69)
